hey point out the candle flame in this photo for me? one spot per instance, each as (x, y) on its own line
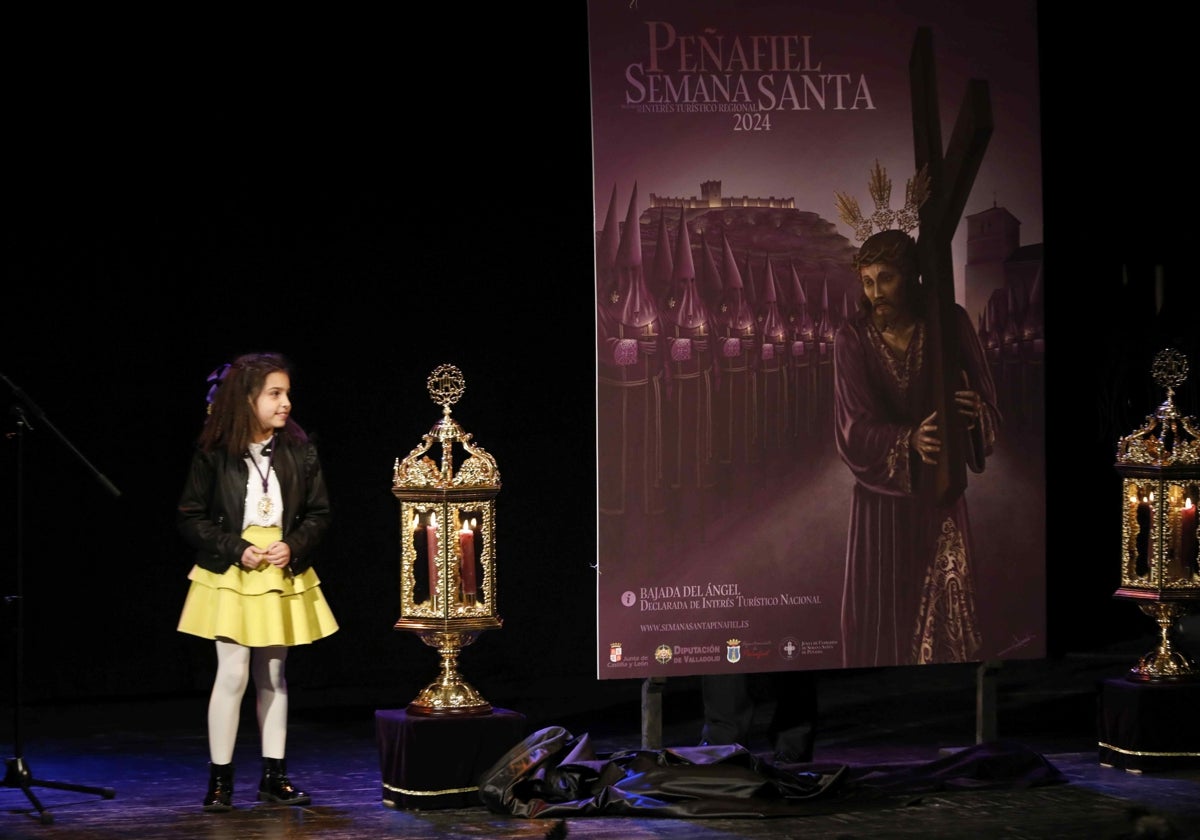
(415, 520)
(474, 521)
(1187, 503)
(433, 519)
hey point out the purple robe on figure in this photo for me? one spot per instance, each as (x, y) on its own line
(630, 386)
(772, 370)
(688, 428)
(736, 403)
(909, 589)
(801, 335)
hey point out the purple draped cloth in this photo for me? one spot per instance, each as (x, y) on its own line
(553, 773)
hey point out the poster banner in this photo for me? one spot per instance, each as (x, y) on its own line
(805, 462)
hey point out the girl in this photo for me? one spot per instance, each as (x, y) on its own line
(254, 508)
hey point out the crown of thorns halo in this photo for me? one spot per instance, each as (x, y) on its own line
(916, 193)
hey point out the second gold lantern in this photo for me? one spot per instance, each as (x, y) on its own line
(1160, 563)
(447, 549)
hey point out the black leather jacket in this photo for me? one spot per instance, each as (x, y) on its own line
(212, 505)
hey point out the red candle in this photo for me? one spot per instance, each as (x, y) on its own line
(431, 544)
(466, 547)
(1188, 537)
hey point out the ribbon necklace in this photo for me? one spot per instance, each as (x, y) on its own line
(264, 503)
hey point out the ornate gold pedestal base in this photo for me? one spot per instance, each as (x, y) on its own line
(1164, 663)
(449, 694)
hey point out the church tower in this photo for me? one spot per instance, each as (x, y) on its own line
(992, 237)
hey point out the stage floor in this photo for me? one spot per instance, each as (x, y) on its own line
(151, 753)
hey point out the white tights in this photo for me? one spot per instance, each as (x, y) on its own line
(234, 665)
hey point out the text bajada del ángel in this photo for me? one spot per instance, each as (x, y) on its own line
(764, 72)
(714, 596)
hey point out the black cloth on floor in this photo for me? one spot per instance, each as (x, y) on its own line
(553, 773)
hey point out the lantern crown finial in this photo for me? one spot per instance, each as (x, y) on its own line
(417, 470)
(1166, 437)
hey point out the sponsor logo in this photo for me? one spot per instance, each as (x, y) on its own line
(662, 654)
(789, 648)
(733, 650)
(614, 652)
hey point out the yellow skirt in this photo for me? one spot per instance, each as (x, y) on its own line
(257, 608)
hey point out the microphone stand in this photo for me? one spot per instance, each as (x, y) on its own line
(17, 773)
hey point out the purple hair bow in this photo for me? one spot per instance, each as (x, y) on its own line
(215, 379)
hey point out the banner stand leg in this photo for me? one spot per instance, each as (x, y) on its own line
(986, 679)
(652, 712)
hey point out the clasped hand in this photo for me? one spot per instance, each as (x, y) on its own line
(278, 554)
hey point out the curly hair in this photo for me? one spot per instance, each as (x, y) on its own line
(231, 424)
(897, 248)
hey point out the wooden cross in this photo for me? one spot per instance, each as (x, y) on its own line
(951, 176)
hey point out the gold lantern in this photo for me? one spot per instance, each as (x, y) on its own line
(447, 548)
(1160, 570)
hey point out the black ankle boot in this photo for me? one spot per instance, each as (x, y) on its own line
(220, 788)
(277, 787)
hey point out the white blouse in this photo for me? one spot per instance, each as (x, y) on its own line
(265, 509)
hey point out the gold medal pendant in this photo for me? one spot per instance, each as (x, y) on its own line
(265, 506)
